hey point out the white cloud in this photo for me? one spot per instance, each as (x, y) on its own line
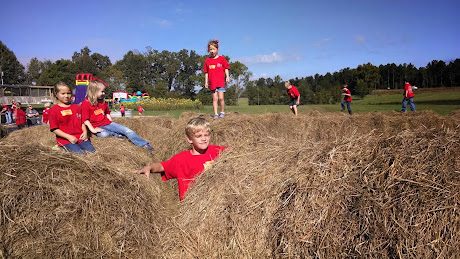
(165, 23)
(268, 59)
(321, 42)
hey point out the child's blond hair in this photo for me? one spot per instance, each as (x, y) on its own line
(196, 124)
(46, 105)
(91, 92)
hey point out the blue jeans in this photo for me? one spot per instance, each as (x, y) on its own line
(411, 104)
(348, 106)
(8, 117)
(81, 148)
(115, 129)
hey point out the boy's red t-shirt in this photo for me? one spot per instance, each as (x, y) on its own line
(293, 92)
(185, 167)
(45, 115)
(408, 89)
(122, 109)
(215, 67)
(20, 117)
(95, 113)
(347, 97)
(67, 119)
(140, 109)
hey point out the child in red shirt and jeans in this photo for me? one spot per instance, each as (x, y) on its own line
(187, 165)
(20, 116)
(96, 116)
(216, 74)
(65, 121)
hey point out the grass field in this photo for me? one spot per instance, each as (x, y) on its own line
(441, 102)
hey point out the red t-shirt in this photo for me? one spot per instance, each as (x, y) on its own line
(215, 67)
(20, 117)
(122, 109)
(67, 119)
(140, 109)
(7, 108)
(185, 167)
(347, 97)
(293, 92)
(45, 115)
(95, 113)
(408, 89)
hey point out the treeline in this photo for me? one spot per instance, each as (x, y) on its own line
(178, 74)
(326, 89)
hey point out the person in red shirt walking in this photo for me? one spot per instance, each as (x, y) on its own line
(215, 75)
(96, 116)
(294, 95)
(65, 121)
(187, 165)
(140, 109)
(346, 99)
(122, 110)
(20, 116)
(408, 97)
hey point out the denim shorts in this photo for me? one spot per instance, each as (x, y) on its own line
(293, 101)
(219, 90)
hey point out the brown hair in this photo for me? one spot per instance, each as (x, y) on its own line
(59, 84)
(214, 43)
(91, 92)
(196, 124)
(287, 83)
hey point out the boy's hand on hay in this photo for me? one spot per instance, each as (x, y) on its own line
(145, 170)
(153, 168)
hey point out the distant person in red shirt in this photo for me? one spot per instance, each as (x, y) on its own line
(346, 99)
(408, 97)
(7, 111)
(215, 75)
(96, 116)
(65, 121)
(20, 116)
(187, 165)
(122, 110)
(140, 109)
(294, 95)
(45, 114)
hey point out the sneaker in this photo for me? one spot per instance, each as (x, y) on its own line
(120, 137)
(222, 114)
(215, 117)
(149, 148)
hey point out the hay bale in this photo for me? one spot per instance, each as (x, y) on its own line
(332, 186)
(317, 185)
(3, 132)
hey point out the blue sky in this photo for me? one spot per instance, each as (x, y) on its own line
(290, 38)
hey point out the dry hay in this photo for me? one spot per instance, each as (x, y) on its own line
(326, 185)
(3, 132)
(320, 185)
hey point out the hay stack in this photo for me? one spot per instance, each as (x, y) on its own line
(3, 132)
(319, 185)
(326, 185)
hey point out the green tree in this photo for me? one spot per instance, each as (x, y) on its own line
(34, 70)
(11, 71)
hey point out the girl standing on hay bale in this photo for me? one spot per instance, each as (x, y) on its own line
(96, 116)
(65, 121)
(216, 74)
(187, 165)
